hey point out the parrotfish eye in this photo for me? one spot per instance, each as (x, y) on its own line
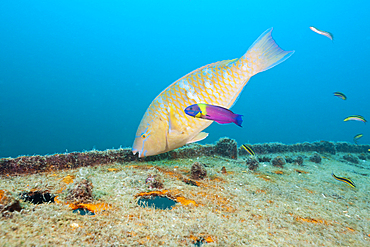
(144, 135)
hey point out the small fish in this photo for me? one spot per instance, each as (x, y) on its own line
(340, 95)
(218, 114)
(345, 180)
(355, 118)
(357, 137)
(249, 149)
(327, 34)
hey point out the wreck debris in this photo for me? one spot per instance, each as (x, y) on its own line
(8, 203)
(37, 196)
(278, 161)
(252, 163)
(315, 158)
(299, 160)
(227, 147)
(224, 147)
(351, 158)
(154, 182)
(81, 192)
(198, 171)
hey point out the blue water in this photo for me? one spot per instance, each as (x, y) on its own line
(78, 75)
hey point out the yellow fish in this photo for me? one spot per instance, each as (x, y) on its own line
(165, 126)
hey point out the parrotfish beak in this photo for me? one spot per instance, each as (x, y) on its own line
(192, 110)
(138, 147)
(140, 153)
(134, 151)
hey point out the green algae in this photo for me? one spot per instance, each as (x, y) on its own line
(296, 205)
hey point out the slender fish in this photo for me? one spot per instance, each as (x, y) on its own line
(357, 137)
(249, 149)
(340, 95)
(327, 34)
(218, 114)
(355, 118)
(345, 180)
(165, 126)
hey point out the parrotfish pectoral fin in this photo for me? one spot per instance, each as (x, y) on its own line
(199, 137)
(173, 125)
(264, 53)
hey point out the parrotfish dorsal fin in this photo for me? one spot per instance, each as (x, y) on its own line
(199, 137)
(225, 62)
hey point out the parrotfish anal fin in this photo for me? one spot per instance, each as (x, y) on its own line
(199, 137)
(173, 125)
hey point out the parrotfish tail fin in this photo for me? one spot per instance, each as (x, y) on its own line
(264, 54)
(238, 120)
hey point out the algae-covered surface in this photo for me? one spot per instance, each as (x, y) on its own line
(292, 205)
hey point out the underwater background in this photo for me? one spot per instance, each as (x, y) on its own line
(79, 75)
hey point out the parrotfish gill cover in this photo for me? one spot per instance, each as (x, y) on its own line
(165, 125)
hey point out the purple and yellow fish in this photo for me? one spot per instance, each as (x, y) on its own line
(218, 114)
(165, 126)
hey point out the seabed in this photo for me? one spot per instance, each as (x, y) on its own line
(103, 198)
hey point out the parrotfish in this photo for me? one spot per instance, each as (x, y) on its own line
(212, 112)
(165, 126)
(326, 34)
